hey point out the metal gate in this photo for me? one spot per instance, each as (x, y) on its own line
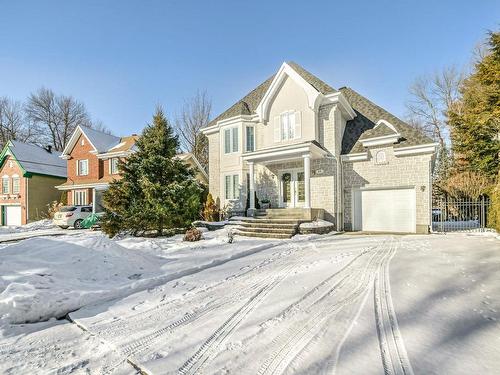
(460, 215)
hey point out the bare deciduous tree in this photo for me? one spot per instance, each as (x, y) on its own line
(56, 116)
(194, 116)
(431, 98)
(12, 123)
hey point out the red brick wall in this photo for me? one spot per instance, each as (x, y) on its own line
(10, 168)
(81, 152)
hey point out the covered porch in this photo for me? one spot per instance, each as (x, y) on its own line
(291, 164)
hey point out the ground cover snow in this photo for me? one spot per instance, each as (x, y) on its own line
(336, 304)
(36, 225)
(47, 277)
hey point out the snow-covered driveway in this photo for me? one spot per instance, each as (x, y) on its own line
(347, 304)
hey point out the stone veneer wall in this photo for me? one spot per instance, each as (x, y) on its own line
(398, 171)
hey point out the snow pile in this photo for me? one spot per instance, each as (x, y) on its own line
(36, 225)
(318, 223)
(42, 278)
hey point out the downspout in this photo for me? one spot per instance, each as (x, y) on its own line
(27, 198)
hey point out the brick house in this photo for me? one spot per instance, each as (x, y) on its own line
(92, 163)
(29, 174)
(302, 145)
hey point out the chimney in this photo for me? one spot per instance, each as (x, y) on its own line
(48, 148)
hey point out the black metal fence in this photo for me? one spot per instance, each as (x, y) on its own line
(460, 215)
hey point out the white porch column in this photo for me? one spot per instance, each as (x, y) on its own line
(93, 200)
(251, 188)
(307, 180)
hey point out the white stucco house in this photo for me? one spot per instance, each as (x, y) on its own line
(299, 143)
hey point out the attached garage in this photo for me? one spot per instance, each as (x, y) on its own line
(384, 210)
(12, 215)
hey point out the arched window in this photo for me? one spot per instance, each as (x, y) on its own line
(380, 157)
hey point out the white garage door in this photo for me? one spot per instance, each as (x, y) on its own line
(13, 215)
(391, 210)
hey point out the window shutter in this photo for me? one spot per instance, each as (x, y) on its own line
(235, 139)
(298, 125)
(227, 141)
(277, 129)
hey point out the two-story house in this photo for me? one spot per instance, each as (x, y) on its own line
(28, 173)
(92, 163)
(299, 143)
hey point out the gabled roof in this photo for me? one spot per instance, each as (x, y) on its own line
(363, 125)
(185, 156)
(101, 142)
(35, 159)
(249, 103)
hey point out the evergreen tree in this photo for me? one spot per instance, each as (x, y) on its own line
(475, 118)
(157, 191)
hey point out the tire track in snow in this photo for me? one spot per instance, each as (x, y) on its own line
(210, 347)
(296, 338)
(392, 349)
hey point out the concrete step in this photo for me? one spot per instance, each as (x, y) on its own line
(290, 231)
(270, 221)
(264, 234)
(259, 224)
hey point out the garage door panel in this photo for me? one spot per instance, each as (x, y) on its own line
(390, 210)
(13, 215)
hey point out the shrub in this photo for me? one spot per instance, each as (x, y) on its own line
(52, 208)
(494, 212)
(193, 234)
(210, 209)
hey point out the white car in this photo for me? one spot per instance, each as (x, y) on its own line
(71, 216)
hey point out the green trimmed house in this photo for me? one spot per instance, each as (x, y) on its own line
(29, 174)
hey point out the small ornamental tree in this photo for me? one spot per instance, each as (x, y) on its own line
(210, 209)
(157, 191)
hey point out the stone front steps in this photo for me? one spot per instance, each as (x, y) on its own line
(265, 227)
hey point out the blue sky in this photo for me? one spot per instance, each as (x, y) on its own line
(121, 58)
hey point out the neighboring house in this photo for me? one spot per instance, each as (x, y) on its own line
(92, 162)
(29, 174)
(201, 175)
(300, 143)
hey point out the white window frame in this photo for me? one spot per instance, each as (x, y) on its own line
(80, 197)
(232, 188)
(4, 179)
(78, 169)
(287, 130)
(383, 155)
(234, 139)
(16, 178)
(111, 169)
(247, 149)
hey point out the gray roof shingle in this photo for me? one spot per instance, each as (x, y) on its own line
(367, 116)
(36, 159)
(101, 141)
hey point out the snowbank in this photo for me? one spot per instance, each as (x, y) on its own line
(41, 278)
(45, 277)
(36, 225)
(319, 223)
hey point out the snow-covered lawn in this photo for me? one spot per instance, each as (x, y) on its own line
(343, 304)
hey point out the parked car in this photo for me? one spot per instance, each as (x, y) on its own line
(72, 216)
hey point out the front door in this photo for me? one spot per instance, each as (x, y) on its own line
(292, 188)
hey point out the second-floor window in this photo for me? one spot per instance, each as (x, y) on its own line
(250, 138)
(231, 137)
(5, 185)
(82, 167)
(113, 165)
(287, 123)
(16, 185)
